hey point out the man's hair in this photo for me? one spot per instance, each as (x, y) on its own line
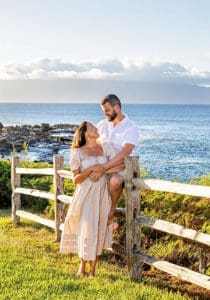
(112, 100)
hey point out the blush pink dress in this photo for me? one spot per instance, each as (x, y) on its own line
(85, 229)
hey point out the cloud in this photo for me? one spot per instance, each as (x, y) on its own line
(205, 85)
(114, 69)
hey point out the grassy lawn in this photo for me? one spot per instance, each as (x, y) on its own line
(31, 267)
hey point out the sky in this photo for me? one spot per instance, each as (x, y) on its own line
(143, 50)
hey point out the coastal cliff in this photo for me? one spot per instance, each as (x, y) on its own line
(14, 137)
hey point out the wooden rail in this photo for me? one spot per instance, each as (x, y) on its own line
(174, 229)
(177, 271)
(57, 195)
(134, 219)
(133, 187)
(172, 187)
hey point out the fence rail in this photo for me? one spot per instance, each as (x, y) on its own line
(174, 229)
(134, 219)
(172, 187)
(57, 195)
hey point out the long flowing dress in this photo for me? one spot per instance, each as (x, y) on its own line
(85, 229)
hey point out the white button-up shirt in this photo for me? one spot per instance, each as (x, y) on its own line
(125, 132)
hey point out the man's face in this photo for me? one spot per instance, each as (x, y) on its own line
(109, 112)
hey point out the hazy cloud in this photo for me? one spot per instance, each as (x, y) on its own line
(132, 70)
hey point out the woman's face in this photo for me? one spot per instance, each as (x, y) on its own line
(91, 131)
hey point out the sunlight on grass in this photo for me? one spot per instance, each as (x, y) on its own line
(32, 268)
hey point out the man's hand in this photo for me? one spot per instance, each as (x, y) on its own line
(95, 176)
(98, 169)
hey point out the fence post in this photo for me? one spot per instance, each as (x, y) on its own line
(58, 183)
(15, 182)
(203, 260)
(132, 210)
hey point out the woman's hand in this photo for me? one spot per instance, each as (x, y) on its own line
(95, 176)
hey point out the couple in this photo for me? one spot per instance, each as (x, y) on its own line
(96, 152)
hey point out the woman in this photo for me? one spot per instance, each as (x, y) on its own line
(85, 228)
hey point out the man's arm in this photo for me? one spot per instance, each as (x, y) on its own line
(115, 161)
(119, 157)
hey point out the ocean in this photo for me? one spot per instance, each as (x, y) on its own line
(174, 140)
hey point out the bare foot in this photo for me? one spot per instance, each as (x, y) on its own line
(92, 268)
(91, 274)
(81, 271)
(115, 226)
(110, 217)
(80, 274)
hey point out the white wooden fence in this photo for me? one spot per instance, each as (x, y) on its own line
(134, 220)
(58, 194)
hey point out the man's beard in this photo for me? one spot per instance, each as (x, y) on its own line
(112, 117)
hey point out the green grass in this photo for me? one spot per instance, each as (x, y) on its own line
(31, 267)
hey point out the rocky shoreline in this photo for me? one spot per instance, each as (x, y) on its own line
(24, 137)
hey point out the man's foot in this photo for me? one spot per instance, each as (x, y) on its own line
(110, 217)
(115, 226)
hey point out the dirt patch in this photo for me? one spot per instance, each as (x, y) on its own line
(162, 279)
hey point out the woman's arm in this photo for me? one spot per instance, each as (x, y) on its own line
(95, 176)
(79, 177)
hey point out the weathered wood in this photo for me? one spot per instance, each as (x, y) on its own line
(65, 174)
(180, 272)
(66, 199)
(61, 226)
(35, 193)
(35, 218)
(173, 187)
(15, 182)
(118, 249)
(120, 212)
(204, 260)
(36, 171)
(58, 164)
(174, 229)
(132, 209)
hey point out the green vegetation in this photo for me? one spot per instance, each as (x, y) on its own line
(32, 268)
(5, 183)
(185, 210)
(191, 212)
(41, 182)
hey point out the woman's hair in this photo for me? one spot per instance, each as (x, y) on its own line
(79, 136)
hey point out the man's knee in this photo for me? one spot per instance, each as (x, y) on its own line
(116, 181)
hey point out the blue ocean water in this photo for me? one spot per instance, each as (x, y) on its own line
(174, 140)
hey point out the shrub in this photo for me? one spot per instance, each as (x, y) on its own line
(30, 181)
(69, 188)
(5, 183)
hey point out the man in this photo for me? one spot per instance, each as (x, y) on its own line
(122, 133)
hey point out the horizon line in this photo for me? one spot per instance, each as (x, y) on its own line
(98, 102)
